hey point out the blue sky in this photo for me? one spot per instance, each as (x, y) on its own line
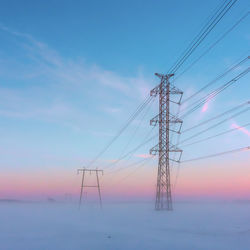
(71, 73)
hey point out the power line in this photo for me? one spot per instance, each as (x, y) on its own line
(217, 116)
(143, 163)
(138, 110)
(131, 118)
(138, 167)
(200, 32)
(216, 79)
(212, 45)
(218, 154)
(214, 93)
(178, 143)
(207, 85)
(215, 125)
(133, 150)
(204, 34)
(207, 138)
(213, 136)
(136, 129)
(128, 166)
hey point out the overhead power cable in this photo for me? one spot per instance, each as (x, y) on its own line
(128, 166)
(217, 116)
(224, 8)
(213, 136)
(201, 31)
(131, 118)
(132, 151)
(178, 143)
(143, 163)
(212, 46)
(209, 27)
(218, 154)
(136, 128)
(214, 93)
(215, 125)
(135, 169)
(232, 68)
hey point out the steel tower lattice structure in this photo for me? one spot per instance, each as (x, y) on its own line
(96, 171)
(164, 147)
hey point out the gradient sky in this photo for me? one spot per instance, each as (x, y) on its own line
(71, 73)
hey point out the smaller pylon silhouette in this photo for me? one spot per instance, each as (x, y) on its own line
(97, 171)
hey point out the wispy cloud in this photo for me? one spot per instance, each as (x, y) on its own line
(145, 156)
(102, 134)
(111, 110)
(242, 129)
(48, 61)
(54, 83)
(205, 107)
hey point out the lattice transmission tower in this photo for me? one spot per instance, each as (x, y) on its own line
(96, 171)
(164, 147)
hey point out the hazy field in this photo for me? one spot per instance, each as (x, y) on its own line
(124, 226)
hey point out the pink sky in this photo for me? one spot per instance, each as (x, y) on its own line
(230, 180)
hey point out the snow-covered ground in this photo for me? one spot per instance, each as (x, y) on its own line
(124, 226)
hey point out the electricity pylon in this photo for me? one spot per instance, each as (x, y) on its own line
(83, 170)
(163, 148)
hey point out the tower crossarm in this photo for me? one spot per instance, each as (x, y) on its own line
(155, 91)
(154, 150)
(172, 119)
(172, 148)
(173, 91)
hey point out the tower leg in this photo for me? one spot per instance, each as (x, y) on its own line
(99, 190)
(80, 200)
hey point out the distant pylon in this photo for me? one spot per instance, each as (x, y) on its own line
(83, 170)
(163, 199)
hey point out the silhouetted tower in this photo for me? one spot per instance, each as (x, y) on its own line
(96, 171)
(163, 148)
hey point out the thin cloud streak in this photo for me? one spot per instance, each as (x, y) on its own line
(50, 79)
(49, 62)
(242, 129)
(145, 156)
